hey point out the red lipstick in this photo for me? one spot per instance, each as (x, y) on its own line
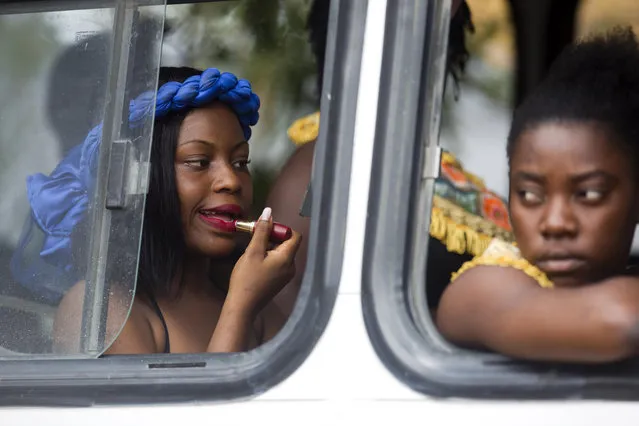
(279, 233)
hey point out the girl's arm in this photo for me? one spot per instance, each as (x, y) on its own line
(504, 310)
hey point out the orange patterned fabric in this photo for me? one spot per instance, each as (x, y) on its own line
(469, 192)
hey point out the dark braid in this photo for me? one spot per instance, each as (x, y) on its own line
(317, 26)
(457, 53)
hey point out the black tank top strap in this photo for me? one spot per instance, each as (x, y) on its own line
(156, 308)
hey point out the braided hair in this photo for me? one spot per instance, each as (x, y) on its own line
(457, 52)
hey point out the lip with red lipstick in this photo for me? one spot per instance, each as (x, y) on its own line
(227, 218)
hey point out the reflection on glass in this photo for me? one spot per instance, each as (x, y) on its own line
(68, 274)
(54, 77)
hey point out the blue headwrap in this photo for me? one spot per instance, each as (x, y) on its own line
(43, 261)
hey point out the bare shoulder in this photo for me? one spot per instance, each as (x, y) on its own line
(142, 333)
(490, 281)
(289, 188)
(132, 330)
(68, 320)
(302, 155)
(297, 169)
(286, 198)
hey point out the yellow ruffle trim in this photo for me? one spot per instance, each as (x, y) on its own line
(505, 261)
(500, 253)
(305, 129)
(461, 231)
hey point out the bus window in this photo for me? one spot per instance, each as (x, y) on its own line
(62, 146)
(456, 187)
(82, 189)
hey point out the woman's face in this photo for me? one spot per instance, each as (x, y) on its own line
(573, 201)
(211, 170)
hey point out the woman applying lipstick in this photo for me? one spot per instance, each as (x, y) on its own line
(564, 293)
(191, 295)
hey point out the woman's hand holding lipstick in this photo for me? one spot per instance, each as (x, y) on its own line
(257, 277)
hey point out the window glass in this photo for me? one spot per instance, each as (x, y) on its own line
(475, 129)
(80, 252)
(92, 299)
(72, 226)
(489, 335)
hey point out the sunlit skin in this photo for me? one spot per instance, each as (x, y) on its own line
(573, 201)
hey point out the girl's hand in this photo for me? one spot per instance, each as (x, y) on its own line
(261, 273)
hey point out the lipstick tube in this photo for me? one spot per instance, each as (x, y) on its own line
(279, 233)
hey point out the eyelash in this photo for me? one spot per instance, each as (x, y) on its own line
(522, 195)
(580, 194)
(600, 195)
(244, 163)
(198, 164)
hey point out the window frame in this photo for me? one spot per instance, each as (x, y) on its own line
(173, 378)
(406, 162)
(33, 6)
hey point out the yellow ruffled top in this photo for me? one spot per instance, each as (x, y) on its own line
(458, 229)
(500, 253)
(305, 129)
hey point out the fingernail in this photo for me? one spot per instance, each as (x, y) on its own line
(266, 214)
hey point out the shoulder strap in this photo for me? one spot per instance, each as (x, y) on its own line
(156, 308)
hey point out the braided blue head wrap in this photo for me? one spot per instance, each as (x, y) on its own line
(59, 201)
(198, 91)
